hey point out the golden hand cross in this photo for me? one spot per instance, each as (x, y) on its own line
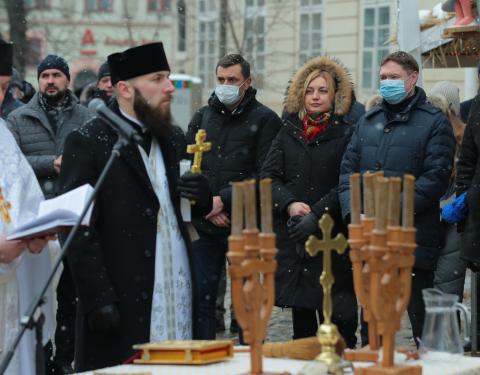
(326, 245)
(198, 149)
(4, 207)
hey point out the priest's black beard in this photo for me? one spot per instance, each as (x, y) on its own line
(157, 121)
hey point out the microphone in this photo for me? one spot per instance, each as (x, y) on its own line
(123, 128)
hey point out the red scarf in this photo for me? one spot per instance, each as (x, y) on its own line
(314, 126)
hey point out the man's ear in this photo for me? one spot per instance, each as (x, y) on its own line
(414, 78)
(124, 89)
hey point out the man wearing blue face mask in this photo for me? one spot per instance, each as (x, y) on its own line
(241, 130)
(404, 134)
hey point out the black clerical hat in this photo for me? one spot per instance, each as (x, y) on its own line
(137, 61)
(6, 58)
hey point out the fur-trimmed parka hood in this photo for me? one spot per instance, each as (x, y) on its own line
(344, 85)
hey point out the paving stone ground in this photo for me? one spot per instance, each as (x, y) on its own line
(280, 325)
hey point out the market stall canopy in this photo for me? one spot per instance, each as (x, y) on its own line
(444, 46)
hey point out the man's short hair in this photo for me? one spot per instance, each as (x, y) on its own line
(234, 59)
(404, 59)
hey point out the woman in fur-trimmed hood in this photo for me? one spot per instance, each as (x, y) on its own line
(304, 164)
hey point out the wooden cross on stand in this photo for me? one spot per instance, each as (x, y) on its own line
(198, 149)
(4, 207)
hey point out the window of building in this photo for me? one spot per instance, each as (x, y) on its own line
(376, 33)
(33, 52)
(182, 26)
(207, 42)
(37, 4)
(310, 29)
(255, 34)
(98, 6)
(206, 6)
(158, 5)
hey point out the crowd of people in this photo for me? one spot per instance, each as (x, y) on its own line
(139, 273)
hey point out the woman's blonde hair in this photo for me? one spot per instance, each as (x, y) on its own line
(331, 87)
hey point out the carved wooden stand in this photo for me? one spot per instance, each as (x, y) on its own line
(252, 272)
(382, 259)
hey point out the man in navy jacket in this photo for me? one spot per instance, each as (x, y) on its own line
(404, 134)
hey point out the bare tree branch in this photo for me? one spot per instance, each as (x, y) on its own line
(18, 31)
(128, 23)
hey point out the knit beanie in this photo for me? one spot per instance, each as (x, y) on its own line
(450, 92)
(53, 62)
(104, 71)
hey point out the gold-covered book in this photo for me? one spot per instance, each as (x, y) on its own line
(194, 352)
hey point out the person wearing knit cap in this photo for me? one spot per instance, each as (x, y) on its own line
(131, 268)
(40, 128)
(102, 89)
(53, 76)
(104, 82)
(450, 92)
(24, 267)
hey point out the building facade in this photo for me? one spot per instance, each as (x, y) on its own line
(276, 36)
(85, 32)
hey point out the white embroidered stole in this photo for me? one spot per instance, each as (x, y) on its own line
(9, 303)
(171, 313)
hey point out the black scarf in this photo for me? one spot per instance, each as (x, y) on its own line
(53, 110)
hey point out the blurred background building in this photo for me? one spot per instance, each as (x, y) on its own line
(277, 36)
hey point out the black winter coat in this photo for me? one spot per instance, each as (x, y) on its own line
(307, 172)
(418, 141)
(240, 141)
(112, 262)
(468, 179)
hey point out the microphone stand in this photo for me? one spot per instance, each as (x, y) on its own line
(34, 317)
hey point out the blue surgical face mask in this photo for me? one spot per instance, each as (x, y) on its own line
(228, 94)
(393, 90)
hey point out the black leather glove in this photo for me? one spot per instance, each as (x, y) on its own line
(306, 226)
(105, 319)
(195, 187)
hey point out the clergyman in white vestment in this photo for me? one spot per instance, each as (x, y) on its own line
(22, 279)
(172, 291)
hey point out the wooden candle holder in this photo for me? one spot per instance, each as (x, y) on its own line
(252, 272)
(382, 260)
